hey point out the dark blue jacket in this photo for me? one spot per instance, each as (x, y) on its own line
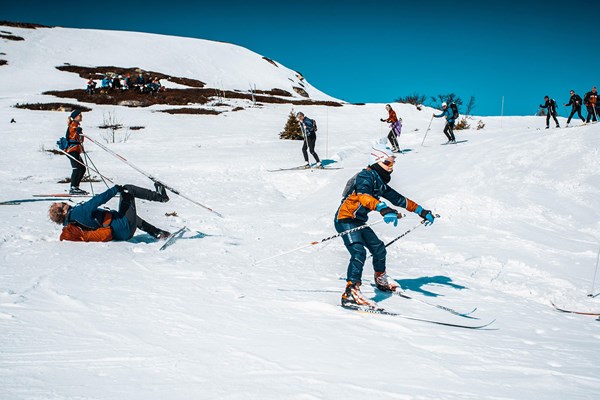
(308, 126)
(364, 195)
(448, 113)
(89, 216)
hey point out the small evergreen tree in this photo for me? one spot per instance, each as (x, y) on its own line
(291, 130)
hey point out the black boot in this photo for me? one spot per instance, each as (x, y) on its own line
(152, 230)
(160, 189)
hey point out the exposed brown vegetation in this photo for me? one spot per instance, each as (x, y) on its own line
(3, 62)
(274, 92)
(270, 61)
(300, 91)
(11, 37)
(188, 110)
(136, 128)
(238, 109)
(99, 72)
(26, 25)
(63, 107)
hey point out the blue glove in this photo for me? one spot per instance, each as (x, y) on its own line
(426, 215)
(389, 215)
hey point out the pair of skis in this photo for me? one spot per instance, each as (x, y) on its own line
(303, 167)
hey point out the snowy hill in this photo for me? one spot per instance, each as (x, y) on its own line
(519, 228)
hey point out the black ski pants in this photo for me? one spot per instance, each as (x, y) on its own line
(591, 113)
(393, 139)
(78, 169)
(309, 143)
(127, 208)
(553, 115)
(576, 109)
(449, 130)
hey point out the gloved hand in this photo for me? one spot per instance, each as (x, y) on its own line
(389, 214)
(426, 215)
(119, 188)
(382, 120)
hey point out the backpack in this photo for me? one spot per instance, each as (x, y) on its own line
(349, 188)
(314, 126)
(62, 143)
(75, 233)
(454, 108)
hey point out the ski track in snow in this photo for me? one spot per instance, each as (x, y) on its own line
(519, 227)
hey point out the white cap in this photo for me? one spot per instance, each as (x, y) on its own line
(444, 104)
(380, 152)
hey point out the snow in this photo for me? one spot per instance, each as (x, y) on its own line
(202, 319)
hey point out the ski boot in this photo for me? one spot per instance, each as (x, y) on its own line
(160, 189)
(353, 298)
(76, 191)
(385, 283)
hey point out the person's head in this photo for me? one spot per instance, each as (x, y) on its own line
(76, 115)
(383, 156)
(58, 212)
(594, 89)
(546, 98)
(300, 116)
(388, 107)
(444, 105)
(572, 92)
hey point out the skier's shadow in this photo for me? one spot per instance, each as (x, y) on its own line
(416, 285)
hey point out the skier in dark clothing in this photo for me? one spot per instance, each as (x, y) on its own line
(575, 102)
(361, 196)
(450, 117)
(74, 149)
(88, 223)
(591, 102)
(396, 127)
(307, 126)
(551, 106)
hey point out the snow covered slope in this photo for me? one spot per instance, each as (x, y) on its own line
(519, 228)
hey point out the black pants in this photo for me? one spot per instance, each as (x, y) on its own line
(553, 115)
(127, 208)
(309, 143)
(393, 140)
(449, 130)
(576, 109)
(78, 169)
(591, 113)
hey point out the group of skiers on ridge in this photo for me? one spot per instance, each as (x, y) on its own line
(591, 103)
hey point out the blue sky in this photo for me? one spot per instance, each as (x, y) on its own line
(377, 51)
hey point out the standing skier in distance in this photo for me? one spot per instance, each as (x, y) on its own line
(575, 102)
(361, 196)
(450, 117)
(88, 223)
(309, 132)
(550, 104)
(591, 101)
(396, 127)
(74, 149)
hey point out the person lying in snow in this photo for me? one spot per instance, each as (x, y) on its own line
(88, 223)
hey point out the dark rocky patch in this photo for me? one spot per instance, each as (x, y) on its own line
(62, 107)
(274, 92)
(3, 62)
(26, 25)
(300, 91)
(267, 59)
(188, 110)
(11, 37)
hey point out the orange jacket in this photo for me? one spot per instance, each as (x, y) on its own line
(75, 138)
(392, 118)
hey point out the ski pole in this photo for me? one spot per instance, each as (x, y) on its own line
(87, 171)
(96, 168)
(93, 169)
(153, 179)
(594, 280)
(427, 130)
(319, 241)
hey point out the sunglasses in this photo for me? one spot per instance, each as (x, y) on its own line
(389, 161)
